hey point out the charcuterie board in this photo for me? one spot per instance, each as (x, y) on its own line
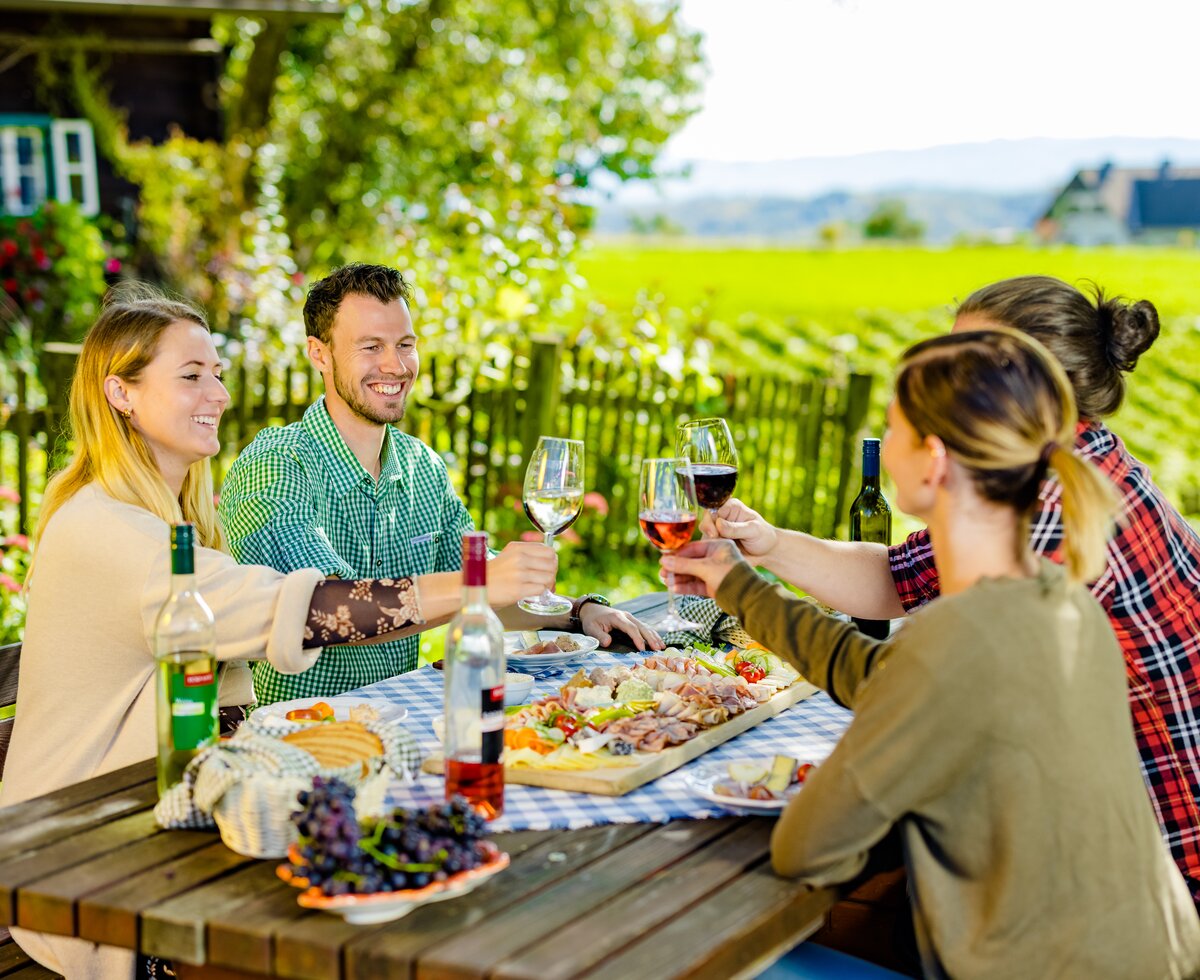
(651, 765)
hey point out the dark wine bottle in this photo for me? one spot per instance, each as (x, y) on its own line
(871, 520)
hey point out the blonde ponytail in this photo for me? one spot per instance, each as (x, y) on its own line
(1088, 505)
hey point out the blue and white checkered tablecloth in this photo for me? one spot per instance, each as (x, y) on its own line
(809, 729)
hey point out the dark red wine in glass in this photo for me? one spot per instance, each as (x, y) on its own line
(715, 483)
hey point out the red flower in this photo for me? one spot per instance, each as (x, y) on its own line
(10, 286)
(39, 254)
(32, 295)
(112, 266)
(8, 248)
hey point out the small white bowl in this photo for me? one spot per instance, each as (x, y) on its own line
(517, 688)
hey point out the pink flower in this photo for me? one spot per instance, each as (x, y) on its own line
(531, 536)
(570, 535)
(112, 266)
(9, 583)
(9, 494)
(597, 501)
(17, 541)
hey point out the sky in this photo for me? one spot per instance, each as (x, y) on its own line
(803, 78)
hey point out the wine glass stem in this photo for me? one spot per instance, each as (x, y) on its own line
(548, 594)
(671, 591)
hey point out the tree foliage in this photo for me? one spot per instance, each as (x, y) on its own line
(456, 139)
(891, 219)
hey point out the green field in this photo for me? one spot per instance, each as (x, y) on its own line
(838, 285)
(786, 310)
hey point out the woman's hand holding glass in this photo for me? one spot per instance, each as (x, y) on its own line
(667, 515)
(708, 445)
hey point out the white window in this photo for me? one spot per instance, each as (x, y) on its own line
(22, 168)
(74, 155)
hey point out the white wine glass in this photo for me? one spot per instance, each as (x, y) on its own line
(708, 445)
(667, 515)
(553, 497)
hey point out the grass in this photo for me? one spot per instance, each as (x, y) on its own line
(787, 309)
(839, 285)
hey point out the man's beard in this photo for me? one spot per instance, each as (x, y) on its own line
(354, 401)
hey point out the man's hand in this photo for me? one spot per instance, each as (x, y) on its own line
(754, 536)
(599, 621)
(700, 567)
(521, 570)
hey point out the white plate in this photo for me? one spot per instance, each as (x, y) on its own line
(701, 780)
(516, 641)
(388, 710)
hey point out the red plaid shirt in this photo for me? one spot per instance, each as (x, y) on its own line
(1151, 592)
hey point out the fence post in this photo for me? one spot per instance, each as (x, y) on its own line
(542, 390)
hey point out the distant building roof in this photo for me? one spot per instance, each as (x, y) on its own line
(182, 8)
(1168, 203)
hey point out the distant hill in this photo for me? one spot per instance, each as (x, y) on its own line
(998, 166)
(968, 188)
(945, 214)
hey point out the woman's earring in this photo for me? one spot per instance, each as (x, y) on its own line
(127, 413)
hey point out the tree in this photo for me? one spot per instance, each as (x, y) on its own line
(453, 138)
(890, 219)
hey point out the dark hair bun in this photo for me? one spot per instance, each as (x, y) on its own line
(1134, 327)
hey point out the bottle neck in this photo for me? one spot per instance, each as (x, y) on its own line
(870, 473)
(474, 598)
(183, 582)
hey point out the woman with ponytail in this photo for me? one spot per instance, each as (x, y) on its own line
(993, 732)
(1149, 584)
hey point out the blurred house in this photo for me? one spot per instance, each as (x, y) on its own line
(158, 63)
(1113, 205)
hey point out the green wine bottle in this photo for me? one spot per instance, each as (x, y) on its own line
(871, 520)
(185, 648)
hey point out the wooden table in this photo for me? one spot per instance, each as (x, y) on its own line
(691, 898)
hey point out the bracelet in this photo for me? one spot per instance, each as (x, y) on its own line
(578, 604)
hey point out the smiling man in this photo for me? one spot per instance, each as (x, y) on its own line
(345, 491)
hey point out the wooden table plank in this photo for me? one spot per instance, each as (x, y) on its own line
(177, 928)
(738, 933)
(11, 957)
(645, 606)
(394, 952)
(241, 938)
(476, 951)
(49, 903)
(36, 829)
(645, 907)
(68, 853)
(53, 804)
(111, 914)
(311, 948)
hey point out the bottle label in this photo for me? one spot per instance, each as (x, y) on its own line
(193, 693)
(492, 725)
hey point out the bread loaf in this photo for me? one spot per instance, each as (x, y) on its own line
(335, 744)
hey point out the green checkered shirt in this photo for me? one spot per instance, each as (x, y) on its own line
(297, 497)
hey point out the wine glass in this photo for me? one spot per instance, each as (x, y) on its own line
(667, 514)
(708, 445)
(553, 497)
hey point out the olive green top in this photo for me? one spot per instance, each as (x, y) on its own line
(994, 731)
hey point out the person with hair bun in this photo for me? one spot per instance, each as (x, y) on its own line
(145, 405)
(1149, 586)
(992, 734)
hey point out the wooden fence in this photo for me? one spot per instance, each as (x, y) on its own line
(797, 438)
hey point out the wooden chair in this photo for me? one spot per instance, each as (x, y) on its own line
(14, 964)
(10, 657)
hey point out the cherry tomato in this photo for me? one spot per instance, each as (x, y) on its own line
(566, 724)
(750, 672)
(802, 771)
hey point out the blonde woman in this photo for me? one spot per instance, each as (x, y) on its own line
(993, 733)
(146, 402)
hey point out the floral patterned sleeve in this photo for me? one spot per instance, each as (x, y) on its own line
(350, 612)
